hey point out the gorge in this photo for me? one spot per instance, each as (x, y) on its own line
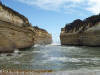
(25, 47)
(16, 32)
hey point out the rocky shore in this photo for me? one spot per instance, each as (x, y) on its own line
(16, 32)
(82, 32)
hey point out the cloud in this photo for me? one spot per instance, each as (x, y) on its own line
(92, 6)
(50, 4)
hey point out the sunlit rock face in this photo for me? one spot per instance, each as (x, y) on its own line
(86, 32)
(6, 45)
(16, 31)
(9, 15)
(13, 27)
(41, 36)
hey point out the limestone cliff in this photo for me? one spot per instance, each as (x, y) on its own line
(16, 31)
(42, 36)
(86, 32)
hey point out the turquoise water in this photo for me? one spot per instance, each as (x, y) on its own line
(52, 57)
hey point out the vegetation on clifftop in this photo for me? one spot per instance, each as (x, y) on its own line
(13, 12)
(83, 24)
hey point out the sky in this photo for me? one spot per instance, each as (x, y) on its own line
(52, 15)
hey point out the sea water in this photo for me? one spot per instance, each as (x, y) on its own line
(53, 57)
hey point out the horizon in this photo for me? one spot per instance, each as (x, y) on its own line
(53, 15)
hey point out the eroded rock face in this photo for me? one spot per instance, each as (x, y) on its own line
(22, 37)
(41, 36)
(16, 31)
(13, 27)
(9, 15)
(85, 33)
(6, 45)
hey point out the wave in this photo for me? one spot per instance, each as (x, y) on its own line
(56, 44)
(63, 59)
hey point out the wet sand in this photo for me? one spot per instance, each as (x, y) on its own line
(50, 72)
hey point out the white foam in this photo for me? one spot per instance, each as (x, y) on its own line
(63, 59)
(55, 44)
(36, 51)
(36, 45)
(16, 50)
(16, 62)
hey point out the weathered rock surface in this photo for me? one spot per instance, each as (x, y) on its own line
(42, 36)
(6, 45)
(16, 31)
(85, 33)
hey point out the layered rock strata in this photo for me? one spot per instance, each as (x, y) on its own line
(84, 33)
(16, 31)
(42, 36)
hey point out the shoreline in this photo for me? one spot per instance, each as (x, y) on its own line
(50, 72)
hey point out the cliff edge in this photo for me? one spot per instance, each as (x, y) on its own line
(82, 32)
(42, 37)
(16, 31)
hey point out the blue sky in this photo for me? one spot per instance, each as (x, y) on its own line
(52, 15)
